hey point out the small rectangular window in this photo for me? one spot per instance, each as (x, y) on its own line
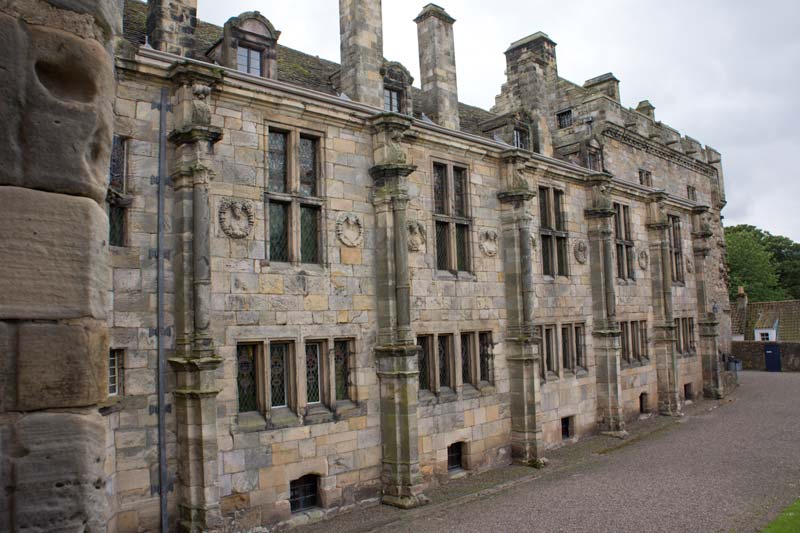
(440, 189)
(308, 166)
(764, 336)
(277, 156)
(522, 139)
(303, 493)
(691, 193)
(391, 100)
(544, 208)
(566, 348)
(555, 255)
(442, 246)
(580, 358)
(424, 358)
(342, 352)
(676, 248)
(462, 247)
(486, 359)
(624, 242)
(678, 336)
(645, 178)
(279, 231)
(278, 362)
(444, 360)
(460, 191)
(248, 61)
(455, 456)
(117, 177)
(625, 341)
(115, 358)
(564, 119)
(117, 218)
(466, 358)
(313, 373)
(309, 234)
(550, 350)
(246, 377)
(643, 340)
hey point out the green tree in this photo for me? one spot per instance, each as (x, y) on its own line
(785, 257)
(751, 266)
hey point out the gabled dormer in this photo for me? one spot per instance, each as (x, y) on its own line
(249, 44)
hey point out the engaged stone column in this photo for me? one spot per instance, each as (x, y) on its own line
(522, 344)
(707, 320)
(195, 362)
(57, 93)
(666, 358)
(396, 352)
(606, 332)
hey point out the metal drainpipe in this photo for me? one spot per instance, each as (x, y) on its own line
(162, 363)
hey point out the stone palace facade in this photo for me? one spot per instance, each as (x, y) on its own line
(346, 288)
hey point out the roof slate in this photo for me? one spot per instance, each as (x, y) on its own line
(294, 67)
(764, 314)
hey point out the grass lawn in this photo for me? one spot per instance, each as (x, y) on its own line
(787, 522)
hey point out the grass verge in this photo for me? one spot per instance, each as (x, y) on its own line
(787, 522)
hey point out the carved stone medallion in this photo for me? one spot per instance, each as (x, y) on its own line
(644, 259)
(488, 242)
(350, 229)
(581, 252)
(417, 237)
(236, 217)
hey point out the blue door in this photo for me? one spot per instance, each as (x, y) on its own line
(772, 357)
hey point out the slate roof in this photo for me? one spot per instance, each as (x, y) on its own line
(764, 315)
(294, 67)
(738, 319)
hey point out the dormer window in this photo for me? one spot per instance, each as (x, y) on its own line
(522, 139)
(391, 100)
(249, 61)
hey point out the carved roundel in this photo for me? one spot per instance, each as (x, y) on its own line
(488, 243)
(643, 259)
(236, 217)
(417, 237)
(689, 266)
(350, 229)
(581, 252)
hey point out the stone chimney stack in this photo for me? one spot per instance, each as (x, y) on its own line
(171, 25)
(437, 65)
(741, 300)
(647, 109)
(361, 30)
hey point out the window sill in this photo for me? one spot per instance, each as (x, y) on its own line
(250, 422)
(469, 392)
(486, 388)
(426, 397)
(348, 409)
(285, 266)
(446, 394)
(283, 417)
(317, 414)
(582, 373)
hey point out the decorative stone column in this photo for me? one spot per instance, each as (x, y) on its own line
(57, 94)
(195, 361)
(669, 402)
(522, 343)
(396, 351)
(606, 332)
(702, 237)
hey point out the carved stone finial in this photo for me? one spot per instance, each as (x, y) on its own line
(236, 217)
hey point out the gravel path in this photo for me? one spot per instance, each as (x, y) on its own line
(730, 466)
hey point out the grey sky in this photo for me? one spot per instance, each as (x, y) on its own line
(725, 72)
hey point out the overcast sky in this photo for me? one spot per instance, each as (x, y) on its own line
(725, 72)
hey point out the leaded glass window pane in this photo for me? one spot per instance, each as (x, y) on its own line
(116, 172)
(643, 338)
(466, 375)
(308, 166)
(309, 234)
(485, 356)
(440, 189)
(549, 349)
(558, 201)
(241, 59)
(444, 366)
(341, 353)
(460, 191)
(462, 247)
(423, 358)
(566, 351)
(116, 225)
(312, 373)
(442, 246)
(246, 377)
(278, 142)
(278, 359)
(278, 231)
(547, 255)
(579, 347)
(561, 253)
(255, 62)
(544, 207)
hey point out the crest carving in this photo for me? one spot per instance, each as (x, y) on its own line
(581, 252)
(236, 217)
(488, 242)
(350, 229)
(644, 259)
(417, 237)
(689, 266)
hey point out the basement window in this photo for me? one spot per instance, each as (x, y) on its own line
(567, 430)
(688, 393)
(643, 403)
(455, 456)
(303, 493)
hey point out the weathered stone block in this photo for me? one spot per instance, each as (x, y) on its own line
(12, 39)
(61, 365)
(55, 256)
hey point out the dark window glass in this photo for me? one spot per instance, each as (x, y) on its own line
(579, 357)
(303, 493)
(635, 344)
(455, 456)
(566, 348)
(460, 191)
(564, 119)
(558, 206)
(341, 368)
(466, 350)
(423, 358)
(309, 234)
(278, 358)
(643, 339)
(442, 246)
(440, 189)
(561, 249)
(547, 255)
(522, 139)
(391, 100)
(116, 225)
(626, 354)
(248, 61)
(308, 166)
(676, 248)
(549, 349)
(312, 373)
(691, 335)
(116, 173)
(278, 231)
(485, 363)
(645, 178)
(544, 207)
(246, 377)
(444, 363)
(462, 247)
(278, 142)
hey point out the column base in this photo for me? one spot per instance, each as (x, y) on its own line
(405, 502)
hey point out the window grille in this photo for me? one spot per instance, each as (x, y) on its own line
(444, 361)
(313, 392)
(246, 377)
(566, 348)
(278, 359)
(423, 356)
(309, 234)
(341, 368)
(278, 231)
(564, 119)
(442, 246)
(115, 372)
(452, 218)
(580, 358)
(308, 166)
(485, 356)
(549, 350)
(466, 354)
(117, 216)
(278, 148)
(462, 247)
(440, 189)
(117, 213)
(303, 493)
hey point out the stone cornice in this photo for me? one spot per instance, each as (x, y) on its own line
(635, 140)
